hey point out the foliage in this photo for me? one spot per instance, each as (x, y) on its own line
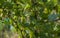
(31, 18)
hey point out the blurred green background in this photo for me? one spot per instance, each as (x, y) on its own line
(30, 18)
